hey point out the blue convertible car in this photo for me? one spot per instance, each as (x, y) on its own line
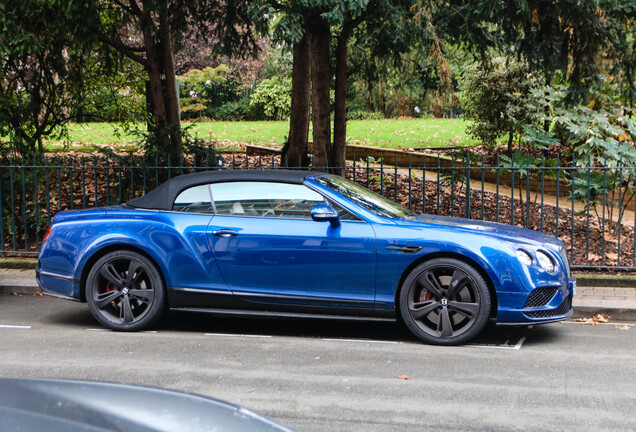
(301, 244)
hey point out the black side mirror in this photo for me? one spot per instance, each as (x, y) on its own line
(325, 213)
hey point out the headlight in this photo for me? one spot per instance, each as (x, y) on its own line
(524, 257)
(546, 262)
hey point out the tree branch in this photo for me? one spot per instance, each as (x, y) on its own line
(124, 7)
(135, 7)
(129, 52)
(275, 4)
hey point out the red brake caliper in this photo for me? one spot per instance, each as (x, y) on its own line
(428, 296)
(110, 287)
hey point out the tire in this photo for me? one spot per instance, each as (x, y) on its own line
(444, 301)
(125, 291)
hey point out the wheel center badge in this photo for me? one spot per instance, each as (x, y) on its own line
(125, 291)
(444, 302)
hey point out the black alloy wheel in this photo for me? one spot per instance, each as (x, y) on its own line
(445, 301)
(125, 291)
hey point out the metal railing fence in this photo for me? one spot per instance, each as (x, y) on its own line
(592, 208)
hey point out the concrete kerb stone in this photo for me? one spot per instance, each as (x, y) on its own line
(600, 280)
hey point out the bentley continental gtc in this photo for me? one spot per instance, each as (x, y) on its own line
(301, 244)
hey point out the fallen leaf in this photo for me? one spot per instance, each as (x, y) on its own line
(404, 377)
(600, 318)
(625, 327)
(595, 320)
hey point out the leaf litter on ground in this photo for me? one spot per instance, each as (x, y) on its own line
(596, 319)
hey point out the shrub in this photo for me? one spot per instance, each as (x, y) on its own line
(210, 87)
(496, 97)
(272, 97)
(232, 111)
(363, 115)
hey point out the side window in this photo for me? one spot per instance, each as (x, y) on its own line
(194, 200)
(343, 214)
(264, 199)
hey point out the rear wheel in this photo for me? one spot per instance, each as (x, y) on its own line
(445, 301)
(125, 291)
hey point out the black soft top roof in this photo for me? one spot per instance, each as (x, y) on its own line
(162, 197)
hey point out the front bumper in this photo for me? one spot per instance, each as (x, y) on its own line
(551, 305)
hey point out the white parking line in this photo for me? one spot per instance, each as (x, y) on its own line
(237, 335)
(361, 341)
(131, 334)
(505, 347)
(22, 327)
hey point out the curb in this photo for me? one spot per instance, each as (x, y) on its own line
(617, 315)
(18, 264)
(19, 290)
(596, 280)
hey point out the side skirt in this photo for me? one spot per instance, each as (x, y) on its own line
(280, 314)
(226, 303)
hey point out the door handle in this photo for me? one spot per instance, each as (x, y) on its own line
(224, 233)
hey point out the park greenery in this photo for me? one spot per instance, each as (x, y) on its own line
(539, 74)
(527, 83)
(405, 133)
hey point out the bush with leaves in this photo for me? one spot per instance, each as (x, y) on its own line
(204, 92)
(272, 97)
(496, 99)
(597, 137)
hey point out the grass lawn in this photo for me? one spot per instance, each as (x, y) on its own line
(388, 133)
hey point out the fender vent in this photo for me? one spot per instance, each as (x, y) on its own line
(407, 249)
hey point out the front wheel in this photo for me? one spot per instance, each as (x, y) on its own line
(125, 291)
(445, 301)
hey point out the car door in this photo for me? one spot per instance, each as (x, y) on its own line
(189, 259)
(268, 247)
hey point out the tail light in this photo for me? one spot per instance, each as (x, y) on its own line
(46, 236)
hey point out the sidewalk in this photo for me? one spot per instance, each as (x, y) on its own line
(595, 294)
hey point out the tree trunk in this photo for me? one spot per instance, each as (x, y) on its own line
(320, 75)
(295, 152)
(156, 90)
(382, 102)
(175, 149)
(510, 138)
(338, 151)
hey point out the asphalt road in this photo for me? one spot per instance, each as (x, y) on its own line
(331, 376)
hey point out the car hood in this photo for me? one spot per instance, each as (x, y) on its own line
(85, 406)
(499, 230)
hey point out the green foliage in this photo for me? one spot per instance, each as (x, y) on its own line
(119, 98)
(48, 70)
(598, 134)
(599, 139)
(204, 153)
(210, 92)
(202, 81)
(520, 163)
(273, 97)
(363, 115)
(234, 111)
(496, 98)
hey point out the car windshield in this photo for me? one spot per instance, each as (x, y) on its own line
(364, 197)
